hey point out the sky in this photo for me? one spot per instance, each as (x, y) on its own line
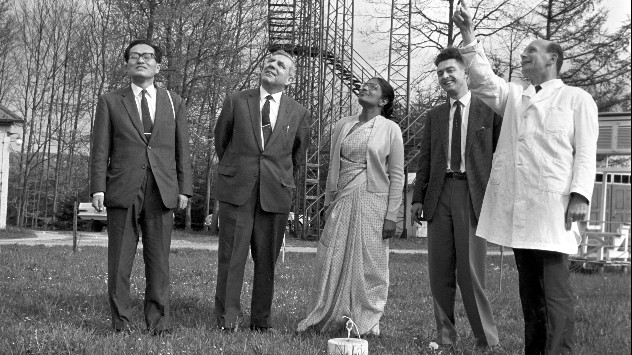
(376, 52)
(619, 11)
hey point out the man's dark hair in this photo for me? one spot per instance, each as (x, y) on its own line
(157, 50)
(555, 48)
(449, 53)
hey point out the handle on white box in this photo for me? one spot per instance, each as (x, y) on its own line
(349, 325)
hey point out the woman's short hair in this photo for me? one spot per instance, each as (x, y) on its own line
(387, 93)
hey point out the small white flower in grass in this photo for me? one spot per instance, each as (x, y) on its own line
(433, 345)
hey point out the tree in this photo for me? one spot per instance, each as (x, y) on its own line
(7, 41)
(595, 60)
(63, 54)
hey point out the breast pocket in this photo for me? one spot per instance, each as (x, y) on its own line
(227, 170)
(558, 120)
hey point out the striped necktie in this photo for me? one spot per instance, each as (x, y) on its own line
(265, 120)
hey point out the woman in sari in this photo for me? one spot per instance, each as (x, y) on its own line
(363, 195)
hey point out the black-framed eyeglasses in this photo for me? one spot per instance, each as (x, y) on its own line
(370, 86)
(146, 56)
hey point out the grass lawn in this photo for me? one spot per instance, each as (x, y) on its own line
(16, 233)
(55, 302)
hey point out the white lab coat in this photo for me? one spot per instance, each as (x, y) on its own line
(546, 151)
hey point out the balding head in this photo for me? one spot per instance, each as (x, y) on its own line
(542, 60)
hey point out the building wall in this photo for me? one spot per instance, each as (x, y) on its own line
(5, 142)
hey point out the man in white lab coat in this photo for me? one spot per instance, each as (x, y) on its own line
(541, 180)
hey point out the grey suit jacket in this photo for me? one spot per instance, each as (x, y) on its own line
(121, 154)
(243, 162)
(483, 131)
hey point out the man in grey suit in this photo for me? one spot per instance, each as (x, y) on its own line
(140, 171)
(457, 145)
(260, 138)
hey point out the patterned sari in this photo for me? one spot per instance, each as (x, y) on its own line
(351, 263)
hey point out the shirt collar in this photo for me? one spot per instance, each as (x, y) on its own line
(546, 84)
(275, 97)
(151, 91)
(465, 99)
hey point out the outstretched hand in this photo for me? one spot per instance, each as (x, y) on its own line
(462, 18)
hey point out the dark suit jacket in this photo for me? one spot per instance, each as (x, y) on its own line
(483, 129)
(121, 154)
(242, 161)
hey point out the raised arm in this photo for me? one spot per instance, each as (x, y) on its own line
(482, 80)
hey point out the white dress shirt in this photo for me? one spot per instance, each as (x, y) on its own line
(151, 100)
(274, 106)
(465, 114)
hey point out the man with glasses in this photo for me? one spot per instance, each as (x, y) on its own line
(260, 139)
(140, 171)
(458, 141)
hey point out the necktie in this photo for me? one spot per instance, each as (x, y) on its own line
(455, 148)
(144, 108)
(537, 88)
(265, 120)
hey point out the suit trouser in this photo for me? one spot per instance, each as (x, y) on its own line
(547, 301)
(155, 221)
(241, 228)
(456, 254)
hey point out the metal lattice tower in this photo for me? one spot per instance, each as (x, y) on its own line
(399, 56)
(398, 75)
(329, 73)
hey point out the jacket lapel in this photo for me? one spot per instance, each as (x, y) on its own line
(473, 123)
(132, 110)
(163, 110)
(255, 116)
(444, 127)
(282, 121)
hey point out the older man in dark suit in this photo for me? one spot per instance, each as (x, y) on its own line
(140, 171)
(458, 142)
(260, 139)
